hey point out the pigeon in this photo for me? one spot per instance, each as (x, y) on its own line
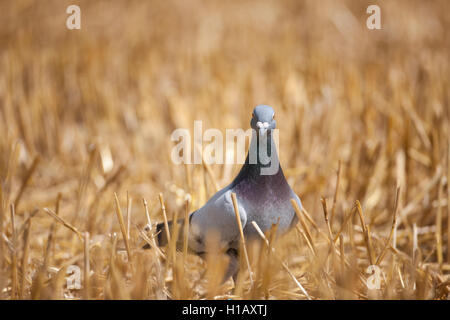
(262, 193)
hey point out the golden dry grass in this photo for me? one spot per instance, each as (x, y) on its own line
(89, 113)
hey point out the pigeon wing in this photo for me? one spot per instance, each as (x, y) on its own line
(216, 218)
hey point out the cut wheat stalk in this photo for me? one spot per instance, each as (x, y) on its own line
(285, 267)
(38, 284)
(12, 161)
(415, 245)
(26, 180)
(166, 222)
(121, 292)
(393, 228)
(14, 272)
(366, 234)
(178, 287)
(308, 243)
(308, 217)
(113, 178)
(188, 178)
(51, 213)
(186, 229)
(344, 224)
(147, 214)
(1, 226)
(371, 252)
(342, 253)
(414, 204)
(439, 250)
(208, 168)
(327, 220)
(313, 223)
(26, 250)
(304, 225)
(241, 232)
(129, 204)
(86, 266)
(152, 240)
(122, 227)
(448, 195)
(174, 239)
(333, 208)
(24, 224)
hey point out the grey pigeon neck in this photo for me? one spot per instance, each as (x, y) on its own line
(253, 166)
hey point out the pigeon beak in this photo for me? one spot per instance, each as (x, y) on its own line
(262, 131)
(262, 126)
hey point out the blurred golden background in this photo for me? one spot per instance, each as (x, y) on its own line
(86, 113)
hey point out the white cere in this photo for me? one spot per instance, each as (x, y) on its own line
(260, 124)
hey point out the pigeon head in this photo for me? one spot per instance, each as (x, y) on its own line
(263, 119)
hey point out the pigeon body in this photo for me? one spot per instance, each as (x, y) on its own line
(262, 193)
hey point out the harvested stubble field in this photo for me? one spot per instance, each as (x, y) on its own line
(364, 121)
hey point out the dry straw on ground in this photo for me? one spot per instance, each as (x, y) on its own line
(86, 118)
